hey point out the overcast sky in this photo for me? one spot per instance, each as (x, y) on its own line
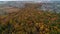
(29, 0)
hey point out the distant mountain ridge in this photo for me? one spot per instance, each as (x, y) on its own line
(50, 6)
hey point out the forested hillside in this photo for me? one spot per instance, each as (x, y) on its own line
(30, 20)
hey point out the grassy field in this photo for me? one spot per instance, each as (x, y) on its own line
(30, 21)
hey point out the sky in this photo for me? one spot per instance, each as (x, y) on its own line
(29, 0)
(24, 0)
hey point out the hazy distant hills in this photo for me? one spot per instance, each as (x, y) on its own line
(20, 4)
(50, 6)
(11, 4)
(55, 6)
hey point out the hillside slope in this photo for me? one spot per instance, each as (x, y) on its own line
(30, 20)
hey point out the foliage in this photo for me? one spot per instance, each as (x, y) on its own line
(30, 21)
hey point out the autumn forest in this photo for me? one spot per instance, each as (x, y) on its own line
(30, 20)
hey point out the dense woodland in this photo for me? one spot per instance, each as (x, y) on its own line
(30, 20)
